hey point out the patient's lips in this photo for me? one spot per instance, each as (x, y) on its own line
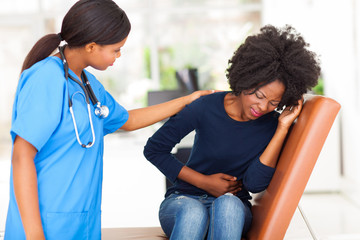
(255, 113)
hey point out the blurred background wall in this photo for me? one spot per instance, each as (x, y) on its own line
(170, 35)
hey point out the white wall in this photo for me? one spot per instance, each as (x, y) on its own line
(133, 188)
(331, 28)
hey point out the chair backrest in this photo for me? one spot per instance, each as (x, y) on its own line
(274, 208)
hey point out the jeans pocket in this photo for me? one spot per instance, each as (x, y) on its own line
(67, 226)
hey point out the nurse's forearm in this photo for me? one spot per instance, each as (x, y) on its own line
(143, 117)
(25, 188)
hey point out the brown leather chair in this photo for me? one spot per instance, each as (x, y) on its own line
(274, 208)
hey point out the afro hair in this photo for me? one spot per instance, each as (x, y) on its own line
(274, 54)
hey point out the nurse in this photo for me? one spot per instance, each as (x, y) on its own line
(57, 133)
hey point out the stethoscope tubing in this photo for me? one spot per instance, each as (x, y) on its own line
(90, 144)
(92, 94)
(88, 95)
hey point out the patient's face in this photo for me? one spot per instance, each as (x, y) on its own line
(262, 101)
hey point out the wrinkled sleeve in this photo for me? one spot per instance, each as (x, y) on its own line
(37, 108)
(257, 176)
(158, 147)
(118, 115)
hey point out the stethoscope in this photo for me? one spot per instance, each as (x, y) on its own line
(100, 111)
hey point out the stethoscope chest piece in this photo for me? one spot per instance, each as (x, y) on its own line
(101, 111)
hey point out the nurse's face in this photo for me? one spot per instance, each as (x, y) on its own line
(262, 101)
(104, 56)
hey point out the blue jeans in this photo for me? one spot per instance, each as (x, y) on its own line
(188, 217)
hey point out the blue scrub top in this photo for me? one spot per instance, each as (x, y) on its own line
(69, 176)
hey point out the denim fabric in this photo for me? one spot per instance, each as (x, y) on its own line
(189, 217)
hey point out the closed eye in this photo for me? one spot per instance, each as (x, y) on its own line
(274, 104)
(258, 95)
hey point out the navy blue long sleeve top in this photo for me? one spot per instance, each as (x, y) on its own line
(221, 145)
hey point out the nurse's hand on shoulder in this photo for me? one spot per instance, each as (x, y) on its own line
(289, 114)
(195, 95)
(143, 117)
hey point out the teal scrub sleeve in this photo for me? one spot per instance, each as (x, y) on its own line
(118, 115)
(38, 105)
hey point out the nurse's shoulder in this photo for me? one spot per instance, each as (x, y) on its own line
(48, 71)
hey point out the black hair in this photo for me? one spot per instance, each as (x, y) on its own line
(274, 54)
(99, 21)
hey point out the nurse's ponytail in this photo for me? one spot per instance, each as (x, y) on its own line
(42, 49)
(100, 21)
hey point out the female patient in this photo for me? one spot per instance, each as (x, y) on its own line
(239, 135)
